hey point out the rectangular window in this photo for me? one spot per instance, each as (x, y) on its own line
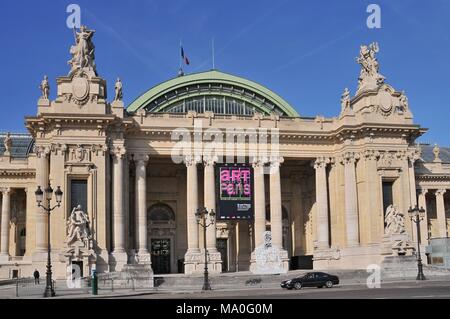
(387, 195)
(78, 194)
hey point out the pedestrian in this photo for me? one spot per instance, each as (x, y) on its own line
(36, 277)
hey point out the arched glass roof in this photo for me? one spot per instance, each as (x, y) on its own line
(212, 91)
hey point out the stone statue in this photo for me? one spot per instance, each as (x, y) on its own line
(436, 152)
(345, 100)
(78, 226)
(119, 95)
(394, 221)
(404, 101)
(7, 143)
(45, 88)
(369, 76)
(83, 52)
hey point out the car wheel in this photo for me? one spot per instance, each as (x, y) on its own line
(298, 285)
(329, 284)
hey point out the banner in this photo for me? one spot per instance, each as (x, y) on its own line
(235, 192)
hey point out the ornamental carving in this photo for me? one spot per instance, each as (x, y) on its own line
(119, 151)
(371, 155)
(42, 151)
(349, 158)
(321, 162)
(79, 154)
(394, 220)
(190, 160)
(78, 228)
(210, 160)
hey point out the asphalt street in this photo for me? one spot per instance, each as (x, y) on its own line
(397, 290)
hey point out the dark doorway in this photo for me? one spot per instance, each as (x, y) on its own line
(161, 256)
(78, 194)
(222, 247)
(387, 196)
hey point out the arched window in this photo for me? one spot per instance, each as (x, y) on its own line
(160, 213)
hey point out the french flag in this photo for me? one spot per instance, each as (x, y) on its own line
(184, 57)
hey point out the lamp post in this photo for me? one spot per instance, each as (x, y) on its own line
(417, 215)
(49, 291)
(202, 219)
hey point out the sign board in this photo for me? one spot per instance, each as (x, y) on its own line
(234, 191)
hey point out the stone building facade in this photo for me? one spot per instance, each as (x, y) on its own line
(322, 186)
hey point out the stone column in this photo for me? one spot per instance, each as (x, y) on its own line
(322, 224)
(412, 180)
(5, 219)
(42, 180)
(372, 209)
(276, 218)
(260, 202)
(119, 252)
(210, 199)
(351, 198)
(440, 209)
(192, 204)
(141, 208)
(424, 222)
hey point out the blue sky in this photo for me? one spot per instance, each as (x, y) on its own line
(303, 50)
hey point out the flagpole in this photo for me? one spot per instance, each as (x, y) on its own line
(181, 59)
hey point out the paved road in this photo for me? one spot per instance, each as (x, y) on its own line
(402, 290)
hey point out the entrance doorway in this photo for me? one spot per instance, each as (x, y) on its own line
(161, 255)
(222, 247)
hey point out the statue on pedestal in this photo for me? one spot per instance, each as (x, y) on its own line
(119, 94)
(369, 76)
(45, 88)
(7, 142)
(83, 52)
(345, 100)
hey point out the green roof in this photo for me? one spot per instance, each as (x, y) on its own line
(213, 76)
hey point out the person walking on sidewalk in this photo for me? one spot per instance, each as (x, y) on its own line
(36, 277)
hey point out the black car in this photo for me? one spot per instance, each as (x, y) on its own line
(311, 279)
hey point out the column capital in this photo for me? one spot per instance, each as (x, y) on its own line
(413, 155)
(192, 160)
(423, 191)
(210, 160)
(42, 151)
(259, 161)
(321, 162)
(349, 158)
(119, 151)
(141, 158)
(371, 155)
(440, 192)
(6, 190)
(276, 161)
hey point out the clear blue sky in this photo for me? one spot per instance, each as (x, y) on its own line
(303, 50)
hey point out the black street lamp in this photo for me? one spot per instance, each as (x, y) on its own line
(417, 215)
(202, 215)
(49, 290)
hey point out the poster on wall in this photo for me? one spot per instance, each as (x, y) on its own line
(235, 192)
